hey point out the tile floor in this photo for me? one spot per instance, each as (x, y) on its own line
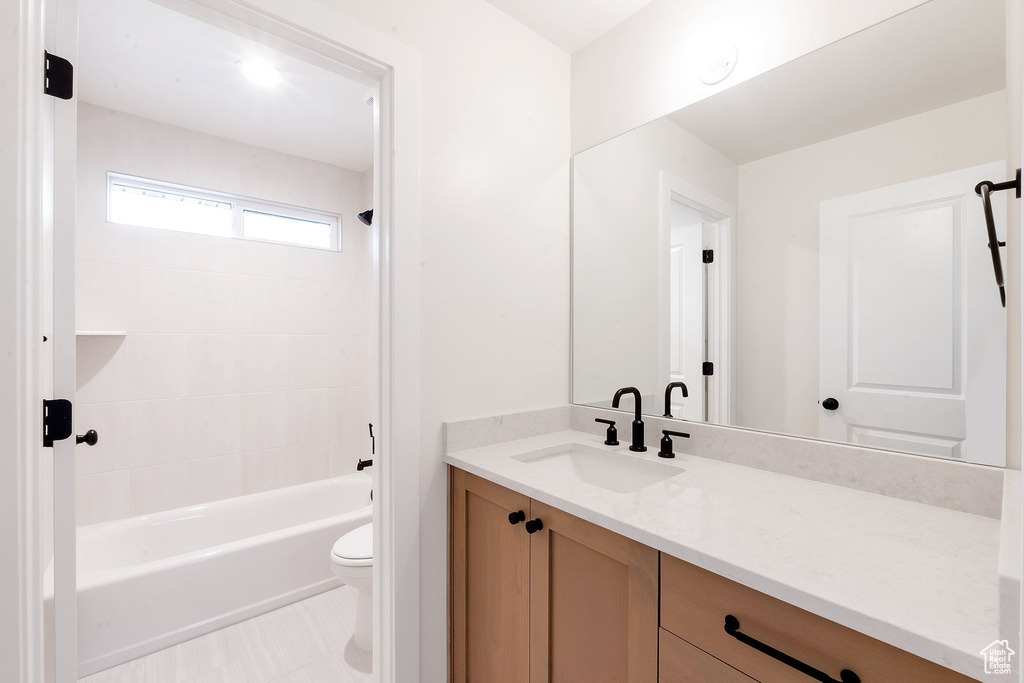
(308, 642)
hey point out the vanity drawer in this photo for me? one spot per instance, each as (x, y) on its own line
(680, 662)
(694, 606)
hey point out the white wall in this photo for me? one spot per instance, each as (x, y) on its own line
(247, 365)
(617, 246)
(647, 66)
(495, 187)
(777, 242)
(494, 125)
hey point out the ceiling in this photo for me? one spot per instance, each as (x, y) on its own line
(570, 24)
(144, 59)
(936, 54)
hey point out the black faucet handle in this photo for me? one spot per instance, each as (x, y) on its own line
(666, 442)
(612, 437)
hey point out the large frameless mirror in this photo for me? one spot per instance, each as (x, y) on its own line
(805, 251)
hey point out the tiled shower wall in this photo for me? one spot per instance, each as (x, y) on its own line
(246, 366)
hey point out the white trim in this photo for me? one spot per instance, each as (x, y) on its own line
(60, 152)
(21, 126)
(720, 285)
(722, 331)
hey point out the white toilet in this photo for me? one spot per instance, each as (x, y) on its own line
(352, 562)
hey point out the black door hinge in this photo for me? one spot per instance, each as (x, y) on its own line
(709, 256)
(708, 368)
(56, 421)
(58, 77)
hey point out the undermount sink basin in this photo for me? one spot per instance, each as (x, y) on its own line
(612, 471)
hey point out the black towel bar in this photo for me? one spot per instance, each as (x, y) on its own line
(985, 189)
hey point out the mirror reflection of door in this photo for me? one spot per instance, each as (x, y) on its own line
(687, 303)
(912, 330)
(696, 310)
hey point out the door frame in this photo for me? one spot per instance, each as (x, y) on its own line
(312, 29)
(720, 291)
(21, 159)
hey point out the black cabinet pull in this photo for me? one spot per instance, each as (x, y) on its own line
(534, 525)
(732, 627)
(90, 438)
(516, 517)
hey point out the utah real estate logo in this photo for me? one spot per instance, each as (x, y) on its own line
(998, 657)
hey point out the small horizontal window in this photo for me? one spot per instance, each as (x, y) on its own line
(156, 208)
(275, 228)
(151, 204)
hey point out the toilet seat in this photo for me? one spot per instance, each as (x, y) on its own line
(355, 549)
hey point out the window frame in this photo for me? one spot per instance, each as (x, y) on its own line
(239, 205)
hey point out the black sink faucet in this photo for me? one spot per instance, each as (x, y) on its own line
(668, 396)
(638, 424)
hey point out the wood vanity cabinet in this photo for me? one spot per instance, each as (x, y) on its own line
(695, 604)
(571, 602)
(490, 582)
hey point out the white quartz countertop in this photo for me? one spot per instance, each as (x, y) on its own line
(922, 578)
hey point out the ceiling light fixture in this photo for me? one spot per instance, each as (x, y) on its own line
(718, 59)
(259, 72)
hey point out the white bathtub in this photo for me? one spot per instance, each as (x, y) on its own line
(146, 583)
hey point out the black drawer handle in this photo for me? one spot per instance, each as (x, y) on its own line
(516, 517)
(534, 525)
(732, 627)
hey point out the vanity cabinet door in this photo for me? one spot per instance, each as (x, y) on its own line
(490, 583)
(593, 603)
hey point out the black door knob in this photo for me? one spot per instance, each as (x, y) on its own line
(534, 525)
(830, 404)
(516, 517)
(90, 438)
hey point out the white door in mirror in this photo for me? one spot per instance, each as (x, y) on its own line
(686, 347)
(912, 342)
